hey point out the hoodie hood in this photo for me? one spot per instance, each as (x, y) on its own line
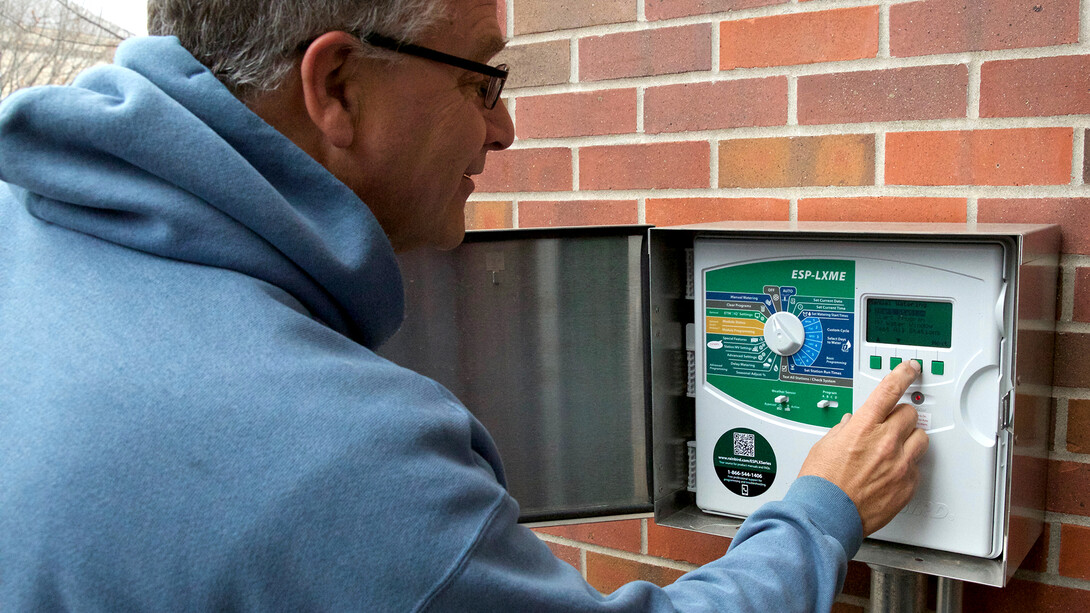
(155, 154)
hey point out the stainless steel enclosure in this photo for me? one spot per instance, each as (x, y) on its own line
(543, 336)
(1032, 266)
(569, 345)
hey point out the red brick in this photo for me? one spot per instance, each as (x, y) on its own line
(550, 15)
(1036, 87)
(527, 170)
(1069, 488)
(800, 38)
(1071, 367)
(646, 53)
(577, 213)
(1078, 426)
(1030, 156)
(684, 545)
(1082, 295)
(857, 581)
(1075, 551)
(841, 159)
(654, 166)
(952, 26)
(610, 111)
(668, 9)
(501, 15)
(566, 553)
(489, 215)
(1069, 213)
(607, 573)
(1022, 596)
(535, 64)
(679, 211)
(897, 94)
(623, 535)
(690, 107)
(884, 208)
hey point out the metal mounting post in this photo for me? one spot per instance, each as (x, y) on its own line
(948, 598)
(897, 591)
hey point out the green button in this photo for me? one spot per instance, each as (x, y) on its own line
(876, 362)
(937, 367)
(894, 363)
(920, 362)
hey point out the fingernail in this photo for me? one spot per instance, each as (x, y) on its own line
(916, 365)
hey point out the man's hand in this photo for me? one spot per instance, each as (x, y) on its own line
(873, 455)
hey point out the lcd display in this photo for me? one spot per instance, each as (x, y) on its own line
(922, 323)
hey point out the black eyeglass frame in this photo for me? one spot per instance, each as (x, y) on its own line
(497, 74)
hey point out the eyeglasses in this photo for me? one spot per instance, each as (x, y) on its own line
(497, 75)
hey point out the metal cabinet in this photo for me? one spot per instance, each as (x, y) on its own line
(569, 344)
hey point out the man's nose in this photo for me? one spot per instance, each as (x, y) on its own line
(501, 131)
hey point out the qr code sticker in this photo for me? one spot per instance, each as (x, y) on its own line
(744, 445)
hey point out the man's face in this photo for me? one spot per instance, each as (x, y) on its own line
(424, 128)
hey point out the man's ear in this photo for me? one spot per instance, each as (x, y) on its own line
(326, 71)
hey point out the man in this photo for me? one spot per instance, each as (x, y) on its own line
(196, 263)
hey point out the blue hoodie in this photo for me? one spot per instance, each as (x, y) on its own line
(191, 413)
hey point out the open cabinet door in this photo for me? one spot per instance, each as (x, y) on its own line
(542, 334)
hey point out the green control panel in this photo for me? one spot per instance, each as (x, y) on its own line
(779, 336)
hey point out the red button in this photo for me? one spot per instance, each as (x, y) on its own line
(917, 398)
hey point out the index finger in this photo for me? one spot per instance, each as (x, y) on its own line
(885, 397)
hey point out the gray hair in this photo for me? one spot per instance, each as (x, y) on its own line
(251, 45)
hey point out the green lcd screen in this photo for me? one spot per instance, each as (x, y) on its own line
(922, 323)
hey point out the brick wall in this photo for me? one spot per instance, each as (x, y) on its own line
(681, 111)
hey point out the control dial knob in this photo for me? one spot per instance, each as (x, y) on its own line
(784, 333)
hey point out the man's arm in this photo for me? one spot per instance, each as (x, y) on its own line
(790, 555)
(786, 558)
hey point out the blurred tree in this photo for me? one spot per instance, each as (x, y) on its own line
(46, 42)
